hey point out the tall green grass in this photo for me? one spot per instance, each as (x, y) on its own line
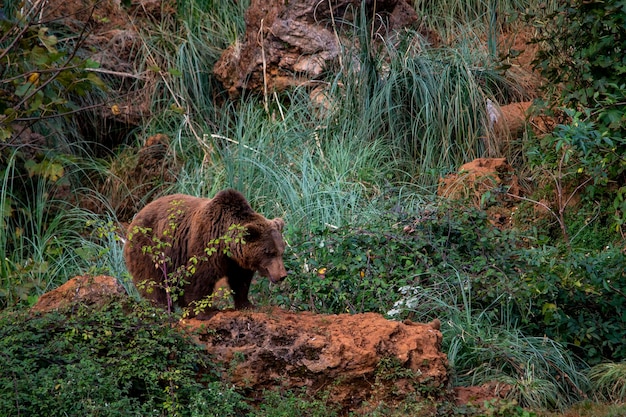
(419, 114)
(289, 165)
(484, 346)
(40, 238)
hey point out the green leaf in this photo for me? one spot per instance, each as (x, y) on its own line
(90, 63)
(49, 41)
(5, 133)
(37, 102)
(96, 80)
(24, 89)
(39, 56)
(46, 169)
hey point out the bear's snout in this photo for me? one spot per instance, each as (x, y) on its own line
(276, 271)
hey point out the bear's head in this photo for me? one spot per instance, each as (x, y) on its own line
(264, 248)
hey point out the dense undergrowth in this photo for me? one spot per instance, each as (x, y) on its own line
(539, 306)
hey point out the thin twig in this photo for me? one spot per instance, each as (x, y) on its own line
(539, 203)
(262, 44)
(51, 116)
(116, 73)
(214, 136)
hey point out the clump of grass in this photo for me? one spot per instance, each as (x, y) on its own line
(609, 380)
(485, 347)
(43, 240)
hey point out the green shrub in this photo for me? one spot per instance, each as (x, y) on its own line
(582, 166)
(362, 267)
(580, 299)
(350, 269)
(294, 403)
(486, 344)
(581, 56)
(123, 360)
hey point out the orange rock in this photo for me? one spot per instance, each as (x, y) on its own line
(481, 176)
(360, 359)
(86, 289)
(345, 353)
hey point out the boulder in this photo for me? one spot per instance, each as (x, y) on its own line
(98, 290)
(354, 357)
(359, 360)
(290, 43)
(487, 183)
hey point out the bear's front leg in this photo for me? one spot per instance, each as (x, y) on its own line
(240, 285)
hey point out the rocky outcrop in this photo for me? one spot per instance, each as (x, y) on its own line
(487, 183)
(290, 43)
(85, 289)
(354, 357)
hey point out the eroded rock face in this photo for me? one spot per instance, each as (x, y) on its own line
(289, 43)
(481, 176)
(356, 357)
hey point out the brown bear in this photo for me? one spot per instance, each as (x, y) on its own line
(179, 228)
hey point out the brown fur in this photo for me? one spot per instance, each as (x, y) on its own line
(199, 220)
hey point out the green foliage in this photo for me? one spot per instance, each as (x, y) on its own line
(103, 252)
(119, 361)
(349, 269)
(362, 267)
(288, 404)
(41, 236)
(581, 54)
(485, 344)
(588, 408)
(391, 368)
(314, 174)
(582, 46)
(42, 73)
(580, 298)
(581, 161)
(496, 408)
(580, 290)
(43, 79)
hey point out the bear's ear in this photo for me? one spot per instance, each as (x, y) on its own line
(278, 223)
(253, 231)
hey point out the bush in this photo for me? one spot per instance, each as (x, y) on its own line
(44, 78)
(361, 268)
(581, 56)
(486, 344)
(583, 167)
(582, 46)
(122, 360)
(580, 299)
(287, 404)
